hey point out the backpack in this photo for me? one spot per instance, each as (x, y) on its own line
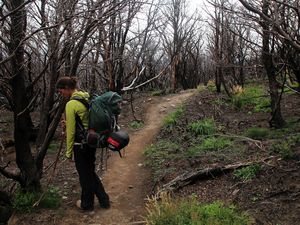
(102, 130)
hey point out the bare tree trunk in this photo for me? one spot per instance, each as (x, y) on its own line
(29, 176)
(276, 120)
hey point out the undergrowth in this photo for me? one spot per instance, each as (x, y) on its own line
(53, 147)
(172, 118)
(136, 124)
(285, 147)
(159, 154)
(202, 127)
(158, 92)
(189, 211)
(211, 86)
(208, 144)
(247, 173)
(254, 97)
(257, 133)
(23, 201)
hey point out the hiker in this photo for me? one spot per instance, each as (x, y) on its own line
(84, 155)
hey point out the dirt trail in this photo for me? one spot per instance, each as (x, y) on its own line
(127, 180)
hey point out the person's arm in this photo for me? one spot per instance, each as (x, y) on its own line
(70, 128)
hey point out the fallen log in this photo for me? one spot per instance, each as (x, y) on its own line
(204, 174)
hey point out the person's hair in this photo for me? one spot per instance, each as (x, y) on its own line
(66, 82)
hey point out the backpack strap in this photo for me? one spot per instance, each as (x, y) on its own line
(80, 130)
(82, 100)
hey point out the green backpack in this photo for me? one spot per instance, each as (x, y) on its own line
(103, 112)
(102, 131)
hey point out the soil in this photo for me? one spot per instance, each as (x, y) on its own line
(273, 197)
(127, 180)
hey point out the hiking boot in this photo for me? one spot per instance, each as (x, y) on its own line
(105, 203)
(78, 204)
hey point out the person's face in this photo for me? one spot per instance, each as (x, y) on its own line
(65, 92)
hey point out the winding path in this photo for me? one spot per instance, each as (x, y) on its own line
(127, 180)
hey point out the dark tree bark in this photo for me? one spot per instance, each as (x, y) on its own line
(29, 176)
(276, 120)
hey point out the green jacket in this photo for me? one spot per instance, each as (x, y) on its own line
(74, 107)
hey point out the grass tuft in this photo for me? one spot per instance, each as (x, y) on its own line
(254, 97)
(53, 147)
(208, 144)
(202, 127)
(136, 124)
(285, 148)
(247, 173)
(211, 86)
(23, 201)
(172, 118)
(201, 88)
(158, 92)
(189, 211)
(257, 133)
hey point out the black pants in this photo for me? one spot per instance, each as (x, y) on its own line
(89, 180)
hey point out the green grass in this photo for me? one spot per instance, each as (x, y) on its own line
(291, 126)
(172, 118)
(211, 86)
(190, 212)
(136, 124)
(158, 93)
(254, 97)
(208, 144)
(247, 173)
(285, 147)
(257, 133)
(160, 154)
(201, 88)
(53, 147)
(23, 201)
(202, 127)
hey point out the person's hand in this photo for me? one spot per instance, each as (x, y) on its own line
(63, 124)
(63, 134)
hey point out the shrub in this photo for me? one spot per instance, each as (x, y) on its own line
(136, 124)
(190, 212)
(237, 89)
(253, 97)
(247, 173)
(203, 127)
(284, 148)
(257, 133)
(171, 119)
(262, 105)
(52, 198)
(211, 86)
(23, 201)
(201, 88)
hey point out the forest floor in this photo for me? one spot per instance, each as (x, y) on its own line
(271, 196)
(127, 180)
